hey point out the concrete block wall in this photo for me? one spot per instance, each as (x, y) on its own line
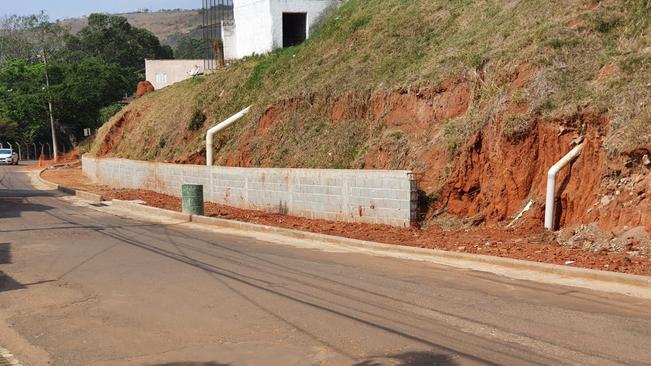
(368, 196)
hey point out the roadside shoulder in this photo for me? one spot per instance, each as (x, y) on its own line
(84, 195)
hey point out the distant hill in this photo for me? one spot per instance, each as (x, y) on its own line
(168, 25)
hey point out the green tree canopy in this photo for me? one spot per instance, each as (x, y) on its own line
(80, 90)
(87, 72)
(23, 97)
(8, 130)
(189, 48)
(113, 40)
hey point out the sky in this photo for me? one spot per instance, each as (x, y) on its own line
(61, 9)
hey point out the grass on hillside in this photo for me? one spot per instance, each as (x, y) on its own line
(586, 56)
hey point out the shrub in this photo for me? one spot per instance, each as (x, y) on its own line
(519, 97)
(197, 120)
(516, 126)
(108, 112)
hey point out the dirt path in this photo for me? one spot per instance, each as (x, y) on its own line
(520, 243)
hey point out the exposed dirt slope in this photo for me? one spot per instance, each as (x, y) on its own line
(478, 98)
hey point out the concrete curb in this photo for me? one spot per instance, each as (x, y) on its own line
(444, 256)
(86, 196)
(90, 197)
(46, 183)
(153, 211)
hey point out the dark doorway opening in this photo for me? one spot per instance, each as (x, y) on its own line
(294, 29)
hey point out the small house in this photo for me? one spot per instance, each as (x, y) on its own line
(162, 73)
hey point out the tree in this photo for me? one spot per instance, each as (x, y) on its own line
(29, 37)
(8, 130)
(113, 40)
(87, 72)
(81, 90)
(23, 98)
(189, 48)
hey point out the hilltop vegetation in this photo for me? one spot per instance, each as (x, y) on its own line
(175, 28)
(445, 88)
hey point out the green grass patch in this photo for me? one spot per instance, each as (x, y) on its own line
(516, 126)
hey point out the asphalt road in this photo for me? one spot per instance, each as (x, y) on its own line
(82, 286)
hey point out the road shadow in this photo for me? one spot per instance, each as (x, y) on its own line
(192, 364)
(410, 359)
(11, 206)
(7, 283)
(27, 193)
(401, 359)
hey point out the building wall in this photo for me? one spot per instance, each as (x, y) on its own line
(259, 23)
(369, 196)
(315, 9)
(253, 32)
(230, 42)
(162, 73)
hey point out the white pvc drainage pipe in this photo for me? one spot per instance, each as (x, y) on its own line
(551, 184)
(211, 133)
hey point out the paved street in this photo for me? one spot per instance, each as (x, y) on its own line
(82, 286)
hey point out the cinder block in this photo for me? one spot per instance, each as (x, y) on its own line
(382, 196)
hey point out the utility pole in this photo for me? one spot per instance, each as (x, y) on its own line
(49, 102)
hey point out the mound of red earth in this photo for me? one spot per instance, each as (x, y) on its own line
(143, 88)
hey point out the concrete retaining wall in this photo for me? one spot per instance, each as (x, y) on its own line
(369, 196)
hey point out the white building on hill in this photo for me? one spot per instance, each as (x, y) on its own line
(261, 26)
(257, 27)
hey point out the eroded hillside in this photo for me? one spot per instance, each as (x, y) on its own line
(478, 98)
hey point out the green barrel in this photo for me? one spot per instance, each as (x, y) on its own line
(192, 199)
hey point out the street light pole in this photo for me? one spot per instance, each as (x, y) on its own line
(49, 103)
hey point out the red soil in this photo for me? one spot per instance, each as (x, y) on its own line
(114, 135)
(143, 88)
